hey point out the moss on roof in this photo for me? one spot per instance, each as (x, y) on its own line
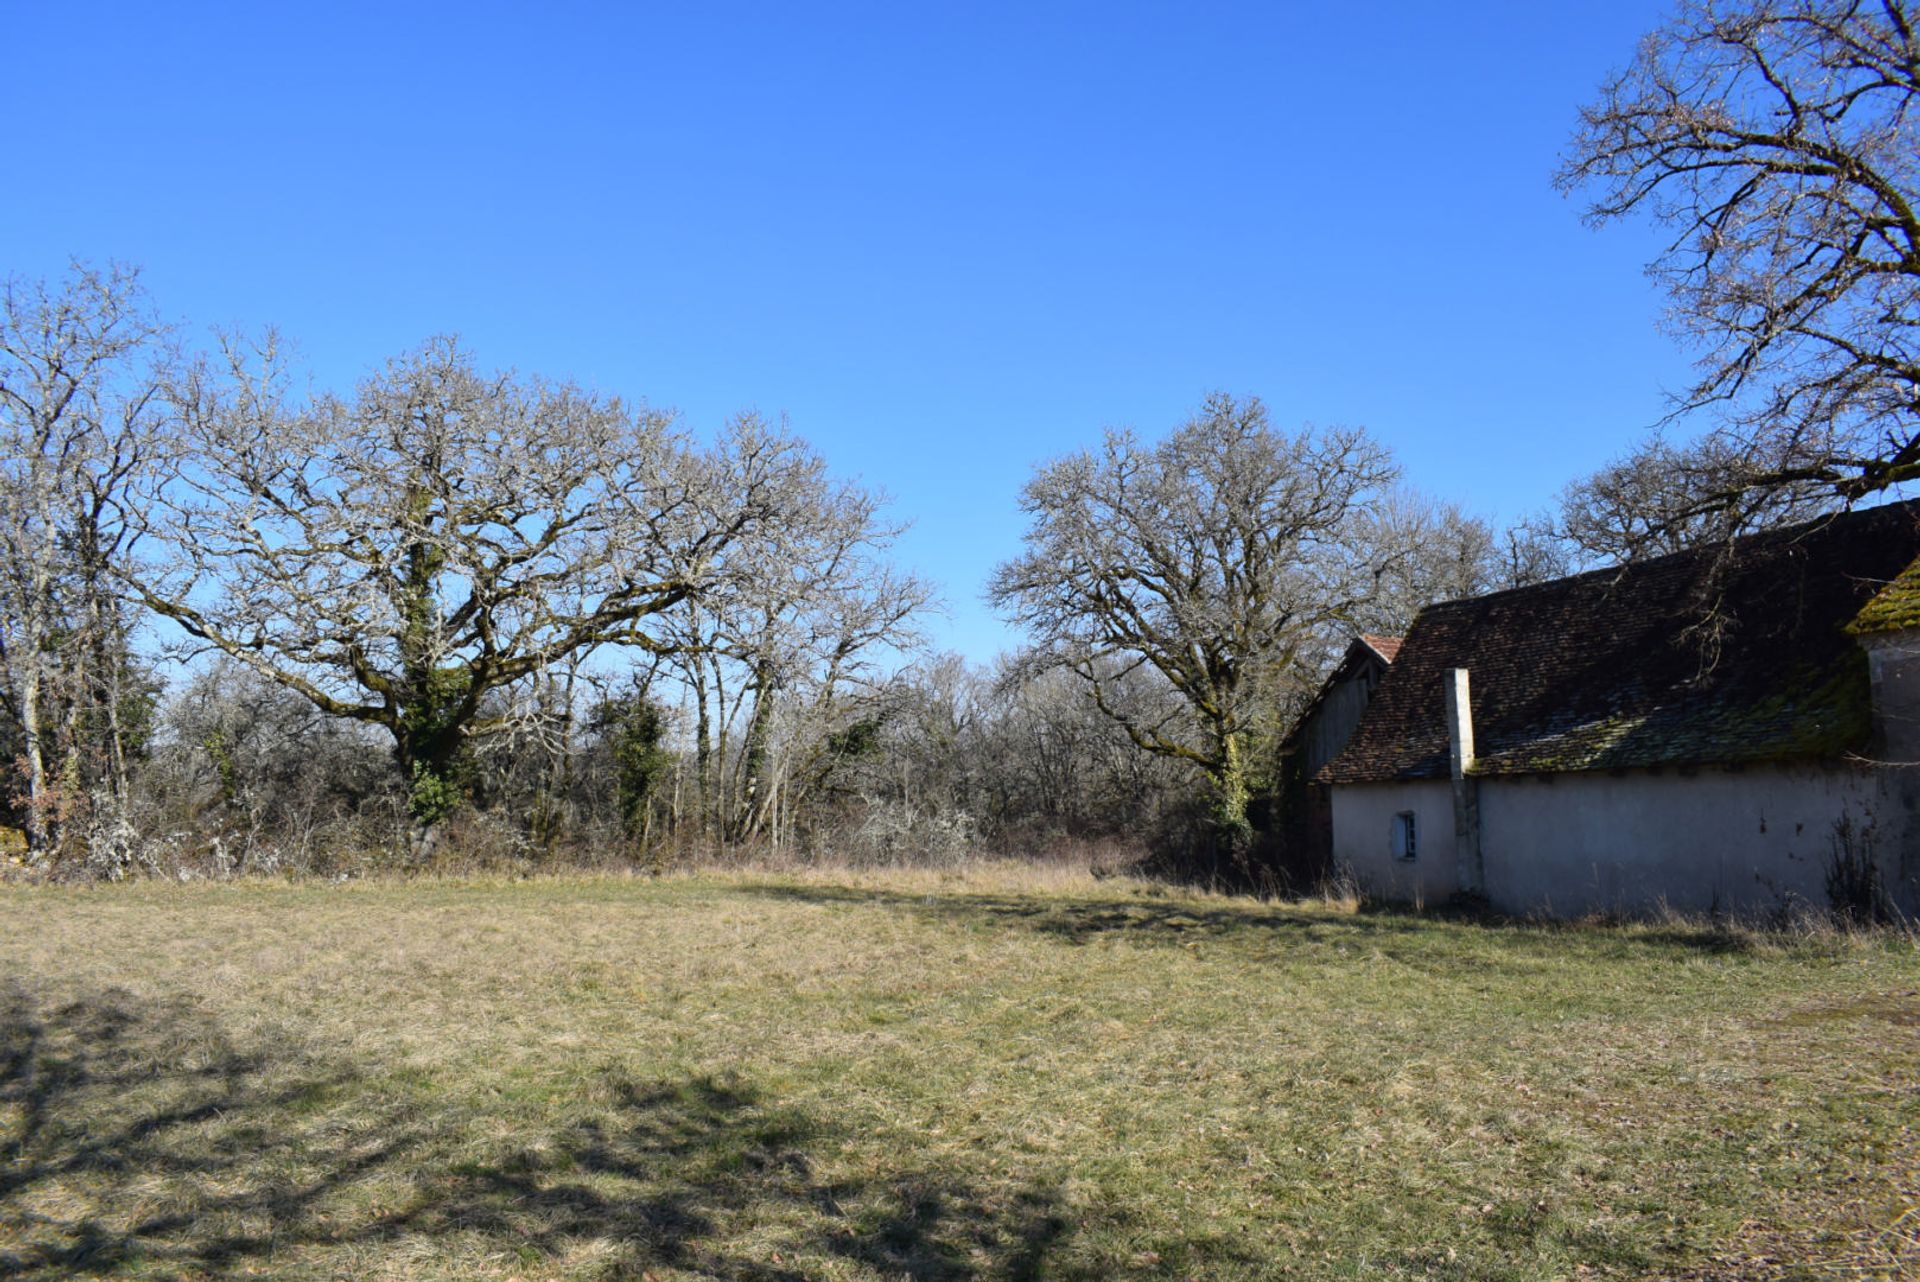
(1894, 607)
(1605, 670)
(1813, 712)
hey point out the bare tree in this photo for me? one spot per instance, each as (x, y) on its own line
(397, 555)
(1221, 557)
(1051, 764)
(1779, 141)
(79, 413)
(1660, 499)
(1533, 550)
(259, 779)
(1422, 550)
(798, 619)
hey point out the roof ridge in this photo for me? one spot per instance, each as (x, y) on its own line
(1782, 533)
(1583, 672)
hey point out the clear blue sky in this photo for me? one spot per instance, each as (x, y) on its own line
(950, 241)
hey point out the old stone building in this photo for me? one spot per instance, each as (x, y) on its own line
(1306, 839)
(1730, 729)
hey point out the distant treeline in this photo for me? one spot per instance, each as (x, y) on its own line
(452, 615)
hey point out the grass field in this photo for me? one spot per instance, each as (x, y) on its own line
(1006, 1074)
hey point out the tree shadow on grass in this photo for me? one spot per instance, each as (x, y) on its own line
(1174, 921)
(673, 1167)
(137, 1140)
(100, 1097)
(1080, 921)
(1704, 935)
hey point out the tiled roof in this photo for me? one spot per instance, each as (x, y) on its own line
(1606, 670)
(1387, 648)
(1363, 651)
(1894, 608)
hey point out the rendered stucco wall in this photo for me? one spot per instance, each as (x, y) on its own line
(1894, 660)
(1751, 841)
(1741, 841)
(1748, 841)
(1363, 831)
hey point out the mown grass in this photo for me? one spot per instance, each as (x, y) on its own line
(915, 1076)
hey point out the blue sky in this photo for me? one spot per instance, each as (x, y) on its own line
(948, 241)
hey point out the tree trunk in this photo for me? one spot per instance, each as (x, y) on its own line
(753, 767)
(118, 781)
(722, 724)
(107, 655)
(679, 780)
(429, 763)
(33, 732)
(1232, 792)
(423, 840)
(702, 751)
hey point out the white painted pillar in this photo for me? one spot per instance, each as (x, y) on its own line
(1466, 789)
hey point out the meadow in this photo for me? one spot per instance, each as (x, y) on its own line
(1002, 1073)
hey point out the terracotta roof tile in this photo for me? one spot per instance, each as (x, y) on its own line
(1604, 670)
(1386, 647)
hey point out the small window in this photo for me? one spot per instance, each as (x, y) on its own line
(1406, 838)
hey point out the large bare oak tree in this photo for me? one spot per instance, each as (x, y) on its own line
(1778, 140)
(444, 532)
(1221, 558)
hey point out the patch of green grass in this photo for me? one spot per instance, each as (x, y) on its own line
(934, 1077)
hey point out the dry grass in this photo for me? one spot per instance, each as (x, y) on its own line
(1011, 1073)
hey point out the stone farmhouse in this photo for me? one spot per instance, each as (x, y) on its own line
(1700, 732)
(1305, 848)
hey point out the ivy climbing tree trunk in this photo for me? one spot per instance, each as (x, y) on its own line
(434, 697)
(444, 533)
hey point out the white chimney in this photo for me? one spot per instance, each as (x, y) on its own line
(1459, 723)
(1466, 790)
